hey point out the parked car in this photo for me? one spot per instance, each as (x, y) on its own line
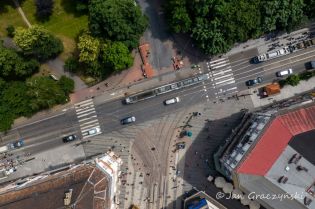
(310, 65)
(69, 138)
(254, 81)
(93, 131)
(171, 101)
(180, 145)
(284, 72)
(17, 144)
(128, 120)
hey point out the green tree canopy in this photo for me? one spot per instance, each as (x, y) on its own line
(89, 48)
(179, 20)
(13, 66)
(66, 84)
(116, 56)
(44, 93)
(293, 80)
(38, 41)
(216, 25)
(117, 20)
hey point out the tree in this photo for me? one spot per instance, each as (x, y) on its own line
(15, 98)
(209, 37)
(281, 14)
(71, 64)
(38, 42)
(116, 56)
(10, 30)
(66, 84)
(117, 20)
(89, 48)
(293, 80)
(44, 93)
(305, 75)
(44, 9)
(177, 16)
(15, 67)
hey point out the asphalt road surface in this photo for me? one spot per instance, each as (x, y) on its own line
(227, 77)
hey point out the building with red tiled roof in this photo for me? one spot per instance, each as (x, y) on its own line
(85, 186)
(271, 156)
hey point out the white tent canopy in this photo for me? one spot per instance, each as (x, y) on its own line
(254, 205)
(219, 182)
(245, 200)
(227, 188)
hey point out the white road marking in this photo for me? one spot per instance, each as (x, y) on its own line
(222, 72)
(84, 119)
(86, 114)
(214, 61)
(224, 81)
(228, 75)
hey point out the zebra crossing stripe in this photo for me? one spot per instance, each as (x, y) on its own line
(214, 61)
(224, 81)
(222, 72)
(228, 75)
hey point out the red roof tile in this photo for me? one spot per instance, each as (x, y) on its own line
(275, 140)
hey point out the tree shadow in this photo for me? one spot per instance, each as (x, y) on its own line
(162, 42)
(70, 6)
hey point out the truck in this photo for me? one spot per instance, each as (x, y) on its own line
(271, 89)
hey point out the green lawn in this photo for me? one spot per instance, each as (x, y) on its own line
(9, 16)
(64, 20)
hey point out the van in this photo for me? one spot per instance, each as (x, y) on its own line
(53, 77)
(284, 72)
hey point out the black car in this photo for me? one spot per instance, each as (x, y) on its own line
(254, 81)
(69, 138)
(128, 120)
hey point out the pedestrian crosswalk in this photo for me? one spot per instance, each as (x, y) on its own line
(87, 117)
(221, 75)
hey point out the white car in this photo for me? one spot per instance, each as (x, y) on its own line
(284, 72)
(171, 101)
(93, 131)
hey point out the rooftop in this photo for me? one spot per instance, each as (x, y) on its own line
(276, 138)
(88, 183)
(304, 144)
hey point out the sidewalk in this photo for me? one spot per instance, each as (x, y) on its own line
(264, 44)
(103, 89)
(286, 92)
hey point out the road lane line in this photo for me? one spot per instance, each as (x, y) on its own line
(84, 111)
(94, 116)
(85, 101)
(86, 114)
(92, 121)
(219, 63)
(222, 72)
(213, 61)
(218, 78)
(219, 66)
(224, 81)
